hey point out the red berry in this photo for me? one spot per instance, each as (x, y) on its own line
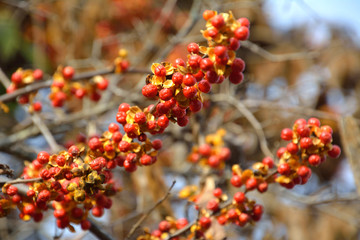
(303, 131)
(212, 76)
(124, 107)
(236, 181)
(23, 99)
(314, 160)
(220, 51)
(102, 84)
(224, 154)
(194, 61)
(193, 48)
(198, 76)
(305, 142)
(11, 190)
(236, 77)
(68, 72)
(214, 161)
(16, 77)
(29, 209)
(181, 223)
(222, 220)
(335, 151)
(37, 74)
(43, 196)
(325, 137)
(140, 118)
(124, 146)
(189, 80)
(74, 151)
(243, 218)
(284, 169)
(113, 127)
(268, 161)
(160, 71)
(11, 88)
(239, 197)
(146, 160)
(218, 21)
(234, 44)
(205, 222)
(204, 86)
(164, 226)
(149, 90)
(207, 14)
(43, 157)
(326, 128)
(179, 62)
(59, 213)
(262, 187)
(280, 152)
(157, 144)
(206, 64)
(195, 105)
(212, 205)
(121, 117)
(30, 193)
(251, 184)
(205, 150)
(189, 92)
(304, 172)
(85, 225)
(286, 134)
(163, 121)
(300, 121)
(212, 32)
(94, 143)
(244, 22)
(165, 94)
(242, 33)
(38, 217)
(177, 78)
(217, 192)
(232, 214)
(97, 211)
(183, 121)
(314, 122)
(37, 106)
(292, 148)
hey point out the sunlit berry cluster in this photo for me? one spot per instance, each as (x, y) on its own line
(212, 153)
(22, 78)
(310, 144)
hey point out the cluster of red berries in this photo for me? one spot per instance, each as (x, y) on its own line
(212, 153)
(310, 144)
(165, 229)
(20, 79)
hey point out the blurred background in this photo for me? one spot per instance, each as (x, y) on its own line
(302, 60)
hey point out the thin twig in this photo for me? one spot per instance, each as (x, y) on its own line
(20, 180)
(250, 117)
(277, 57)
(98, 232)
(142, 219)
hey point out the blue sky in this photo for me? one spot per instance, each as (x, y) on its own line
(316, 15)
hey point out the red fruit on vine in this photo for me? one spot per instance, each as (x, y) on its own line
(292, 148)
(195, 105)
(177, 78)
(232, 214)
(300, 121)
(214, 161)
(212, 32)
(205, 222)
(189, 80)
(258, 209)
(166, 94)
(183, 121)
(262, 187)
(224, 154)
(157, 144)
(206, 64)
(68, 72)
(181, 223)
(314, 160)
(284, 169)
(43, 196)
(43, 157)
(193, 48)
(85, 225)
(220, 51)
(29, 209)
(163, 121)
(280, 152)
(303, 131)
(146, 160)
(164, 226)
(204, 86)
(74, 151)
(239, 197)
(113, 127)
(102, 84)
(222, 219)
(59, 213)
(179, 62)
(236, 77)
(304, 172)
(16, 77)
(23, 99)
(236, 181)
(124, 65)
(11, 88)
(80, 93)
(60, 160)
(242, 33)
(306, 143)
(251, 183)
(268, 161)
(97, 211)
(218, 21)
(212, 205)
(37, 217)
(150, 90)
(94, 143)
(314, 122)
(286, 134)
(139, 118)
(130, 166)
(205, 150)
(325, 137)
(160, 71)
(217, 192)
(335, 151)
(244, 22)
(121, 117)
(208, 14)
(156, 233)
(11, 190)
(190, 92)
(37, 106)
(30, 193)
(212, 76)
(234, 44)
(124, 107)
(194, 61)
(243, 218)
(326, 128)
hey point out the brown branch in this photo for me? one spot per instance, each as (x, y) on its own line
(142, 219)
(80, 76)
(21, 180)
(98, 232)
